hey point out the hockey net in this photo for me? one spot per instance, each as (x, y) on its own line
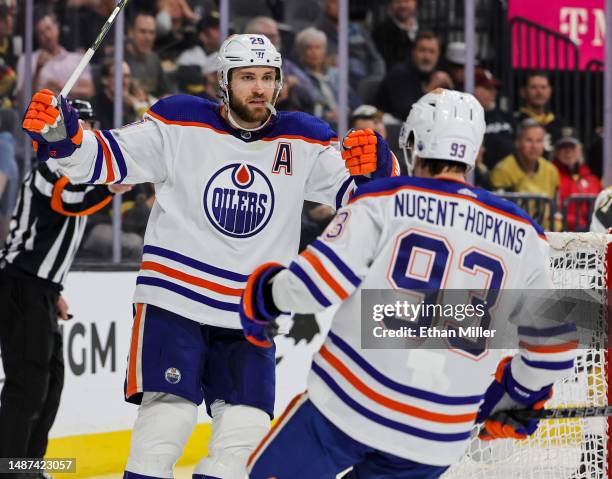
(564, 449)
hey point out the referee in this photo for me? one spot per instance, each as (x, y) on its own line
(45, 232)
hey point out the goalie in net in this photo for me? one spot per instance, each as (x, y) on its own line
(409, 413)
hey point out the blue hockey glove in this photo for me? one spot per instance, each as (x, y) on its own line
(503, 395)
(366, 152)
(56, 132)
(258, 312)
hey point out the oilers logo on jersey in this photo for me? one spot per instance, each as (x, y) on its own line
(239, 200)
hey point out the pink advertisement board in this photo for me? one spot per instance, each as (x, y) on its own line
(582, 21)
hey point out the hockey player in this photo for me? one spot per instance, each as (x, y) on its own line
(230, 182)
(408, 413)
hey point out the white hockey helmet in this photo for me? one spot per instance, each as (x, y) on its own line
(443, 125)
(248, 50)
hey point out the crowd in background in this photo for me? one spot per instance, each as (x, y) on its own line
(171, 48)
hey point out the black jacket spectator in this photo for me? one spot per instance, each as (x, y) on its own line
(364, 59)
(499, 136)
(500, 132)
(395, 36)
(402, 86)
(408, 81)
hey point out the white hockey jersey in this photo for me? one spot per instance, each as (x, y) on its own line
(416, 233)
(225, 201)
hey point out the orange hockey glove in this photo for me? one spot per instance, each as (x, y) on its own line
(366, 152)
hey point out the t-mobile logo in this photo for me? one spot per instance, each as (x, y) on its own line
(575, 23)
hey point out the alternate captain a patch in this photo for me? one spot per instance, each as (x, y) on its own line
(283, 160)
(239, 200)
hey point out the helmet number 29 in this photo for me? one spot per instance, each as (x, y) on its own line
(457, 150)
(256, 41)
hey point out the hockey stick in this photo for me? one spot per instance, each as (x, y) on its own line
(560, 413)
(92, 49)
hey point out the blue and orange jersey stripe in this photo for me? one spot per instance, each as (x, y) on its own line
(549, 348)
(389, 403)
(191, 279)
(108, 160)
(324, 274)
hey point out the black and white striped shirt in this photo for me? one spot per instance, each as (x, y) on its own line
(48, 224)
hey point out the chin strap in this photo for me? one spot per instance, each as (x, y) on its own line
(235, 124)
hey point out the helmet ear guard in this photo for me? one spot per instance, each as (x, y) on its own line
(406, 143)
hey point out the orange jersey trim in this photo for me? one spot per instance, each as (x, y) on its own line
(325, 276)
(391, 403)
(221, 132)
(553, 348)
(132, 386)
(108, 159)
(303, 138)
(188, 278)
(185, 123)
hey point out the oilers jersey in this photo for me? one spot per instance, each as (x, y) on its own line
(226, 200)
(417, 234)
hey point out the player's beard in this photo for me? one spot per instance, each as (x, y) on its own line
(247, 113)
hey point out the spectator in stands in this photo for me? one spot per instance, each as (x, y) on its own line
(575, 178)
(364, 59)
(527, 171)
(212, 89)
(482, 174)
(135, 209)
(499, 139)
(9, 43)
(199, 81)
(594, 154)
(409, 81)
(8, 77)
(311, 46)
(189, 80)
(455, 63)
(52, 65)
(171, 14)
(84, 19)
(175, 25)
(537, 93)
(368, 116)
(135, 100)
(207, 45)
(395, 36)
(9, 181)
(315, 218)
(144, 62)
(296, 80)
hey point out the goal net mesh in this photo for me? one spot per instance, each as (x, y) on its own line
(564, 449)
